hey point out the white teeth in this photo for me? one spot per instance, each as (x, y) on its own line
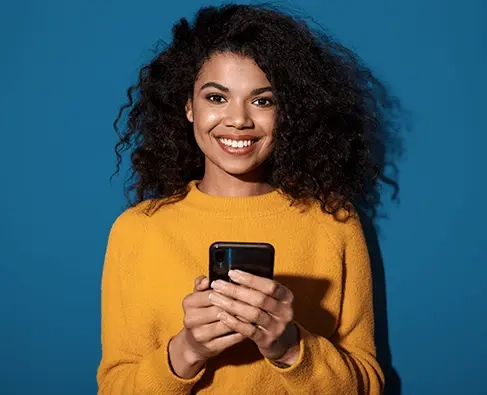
(236, 143)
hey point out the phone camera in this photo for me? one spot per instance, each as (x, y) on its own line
(220, 257)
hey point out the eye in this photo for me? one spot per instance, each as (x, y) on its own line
(218, 99)
(264, 102)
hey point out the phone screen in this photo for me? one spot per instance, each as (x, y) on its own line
(254, 258)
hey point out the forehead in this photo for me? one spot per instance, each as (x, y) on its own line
(232, 70)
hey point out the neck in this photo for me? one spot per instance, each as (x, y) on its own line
(217, 182)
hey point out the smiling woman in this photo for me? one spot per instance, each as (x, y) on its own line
(249, 127)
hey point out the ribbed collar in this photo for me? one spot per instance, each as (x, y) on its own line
(236, 207)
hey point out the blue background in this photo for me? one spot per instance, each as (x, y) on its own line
(64, 71)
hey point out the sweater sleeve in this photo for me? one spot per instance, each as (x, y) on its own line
(130, 365)
(346, 363)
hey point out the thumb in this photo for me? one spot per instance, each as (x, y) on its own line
(201, 283)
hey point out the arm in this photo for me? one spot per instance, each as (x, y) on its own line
(345, 363)
(130, 364)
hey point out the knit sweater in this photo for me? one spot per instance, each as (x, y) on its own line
(150, 265)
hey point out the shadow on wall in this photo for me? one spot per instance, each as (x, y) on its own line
(386, 150)
(384, 355)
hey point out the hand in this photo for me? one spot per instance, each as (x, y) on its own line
(266, 311)
(203, 335)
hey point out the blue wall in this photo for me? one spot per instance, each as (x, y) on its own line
(64, 70)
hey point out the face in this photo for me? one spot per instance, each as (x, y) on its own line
(233, 112)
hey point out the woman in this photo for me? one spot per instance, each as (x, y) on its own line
(247, 127)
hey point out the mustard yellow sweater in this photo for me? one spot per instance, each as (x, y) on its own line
(152, 261)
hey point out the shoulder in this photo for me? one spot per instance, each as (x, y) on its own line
(343, 226)
(143, 214)
(144, 217)
(130, 218)
(344, 231)
(133, 223)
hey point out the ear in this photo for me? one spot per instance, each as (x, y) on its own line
(189, 110)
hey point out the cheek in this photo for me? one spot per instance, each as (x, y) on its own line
(205, 120)
(267, 123)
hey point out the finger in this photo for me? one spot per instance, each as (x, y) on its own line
(265, 285)
(244, 310)
(209, 332)
(250, 331)
(197, 300)
(195, 317)
(197, 281)
(250, 296)
(201, 283)
(221, 343)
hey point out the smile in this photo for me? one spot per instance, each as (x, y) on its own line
(237, 146)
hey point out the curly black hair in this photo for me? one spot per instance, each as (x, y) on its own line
(331, 108)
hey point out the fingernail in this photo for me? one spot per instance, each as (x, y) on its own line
(234, 274)
(218, 285)
(221, 316)
(214, 298)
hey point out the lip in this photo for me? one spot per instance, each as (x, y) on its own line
(237, 151)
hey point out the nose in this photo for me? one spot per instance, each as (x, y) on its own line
(238, 116)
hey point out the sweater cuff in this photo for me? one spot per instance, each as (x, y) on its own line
(303, 366)
(163, 377)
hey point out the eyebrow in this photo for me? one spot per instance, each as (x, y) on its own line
(222, 88)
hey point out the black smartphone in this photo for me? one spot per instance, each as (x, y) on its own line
(254, 258)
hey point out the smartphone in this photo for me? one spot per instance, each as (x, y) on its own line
(254, 258)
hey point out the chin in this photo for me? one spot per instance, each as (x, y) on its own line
(238, 170)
